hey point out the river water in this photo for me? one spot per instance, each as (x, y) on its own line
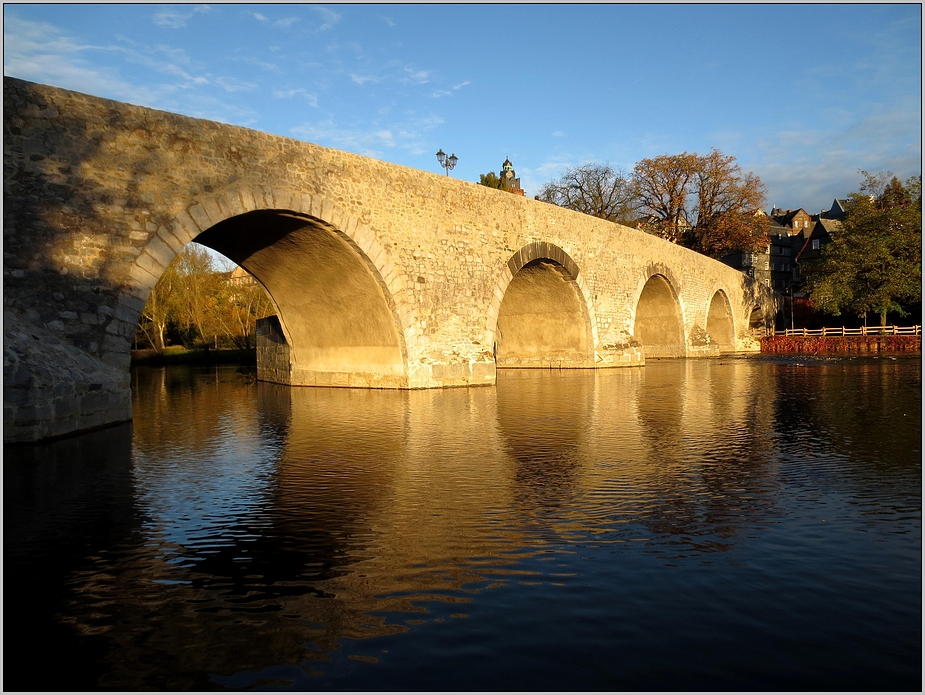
(735, 523)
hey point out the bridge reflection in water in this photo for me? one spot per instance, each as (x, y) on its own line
(692, 525)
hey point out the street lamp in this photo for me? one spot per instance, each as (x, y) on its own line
(447, 162)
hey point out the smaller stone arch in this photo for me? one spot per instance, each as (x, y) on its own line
(540, 314)
(720, 321)
(658, 322)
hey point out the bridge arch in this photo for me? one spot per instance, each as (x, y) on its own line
(331, 282)
(720, 321)
(658, 322)
(540, 314)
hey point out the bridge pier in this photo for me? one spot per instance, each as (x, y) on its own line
(51, 388)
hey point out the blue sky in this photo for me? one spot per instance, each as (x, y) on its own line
(803, 95)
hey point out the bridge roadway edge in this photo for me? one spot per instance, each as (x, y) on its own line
(100, 195)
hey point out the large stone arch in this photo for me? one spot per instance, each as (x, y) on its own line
(333, 285)
(540, 314)
(721, 322)
(658, 318)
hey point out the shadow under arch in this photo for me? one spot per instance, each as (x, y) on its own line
(658, 323)
(759, 321)
(542, 316)
(332, 284)
(720, 324)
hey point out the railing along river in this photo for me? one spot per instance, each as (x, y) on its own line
(842, 331)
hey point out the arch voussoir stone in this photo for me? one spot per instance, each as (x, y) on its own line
(248, 198)
(170, 239)
(160, 251)
(187, 228)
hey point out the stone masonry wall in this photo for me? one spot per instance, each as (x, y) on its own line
(272, 352)
(99, 196)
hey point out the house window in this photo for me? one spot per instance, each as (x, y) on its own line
(772, 266)
(815, 244)
(765, 265)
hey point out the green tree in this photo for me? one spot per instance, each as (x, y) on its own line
(492, 180)
(598, 190)
(875, 264)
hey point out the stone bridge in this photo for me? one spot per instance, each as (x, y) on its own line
(382, 276)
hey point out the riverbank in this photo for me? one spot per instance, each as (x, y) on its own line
(182, 355)
(855, 344)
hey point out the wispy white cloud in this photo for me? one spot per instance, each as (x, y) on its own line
(371, 140)
(312, 99)
(808, 168)
(558, 134)
(416, 76)
(328, 18)
(363, 79)
(389, 22)
(283, 23)
(233, 84)
(41, 52)
(448, 92)
(175, 19)
(263, 65)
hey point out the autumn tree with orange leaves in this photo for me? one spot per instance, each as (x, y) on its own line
(703, 202)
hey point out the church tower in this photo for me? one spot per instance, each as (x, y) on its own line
(509, 180)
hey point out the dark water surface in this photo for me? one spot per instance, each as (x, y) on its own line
(746, 523)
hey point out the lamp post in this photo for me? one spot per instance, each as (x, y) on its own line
(447, 162)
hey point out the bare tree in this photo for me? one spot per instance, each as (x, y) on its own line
(160, 309)
(598, 190)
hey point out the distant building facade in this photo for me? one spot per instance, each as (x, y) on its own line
(240, 278)
(794, 236)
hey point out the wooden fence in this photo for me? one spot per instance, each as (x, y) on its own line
(863, 330)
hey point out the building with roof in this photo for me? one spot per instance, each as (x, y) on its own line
(509, 179)
(818, 237)
(794, 220)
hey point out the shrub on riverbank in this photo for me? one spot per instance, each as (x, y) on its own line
(814, 345)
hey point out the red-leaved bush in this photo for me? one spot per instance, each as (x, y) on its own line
(814, 345)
